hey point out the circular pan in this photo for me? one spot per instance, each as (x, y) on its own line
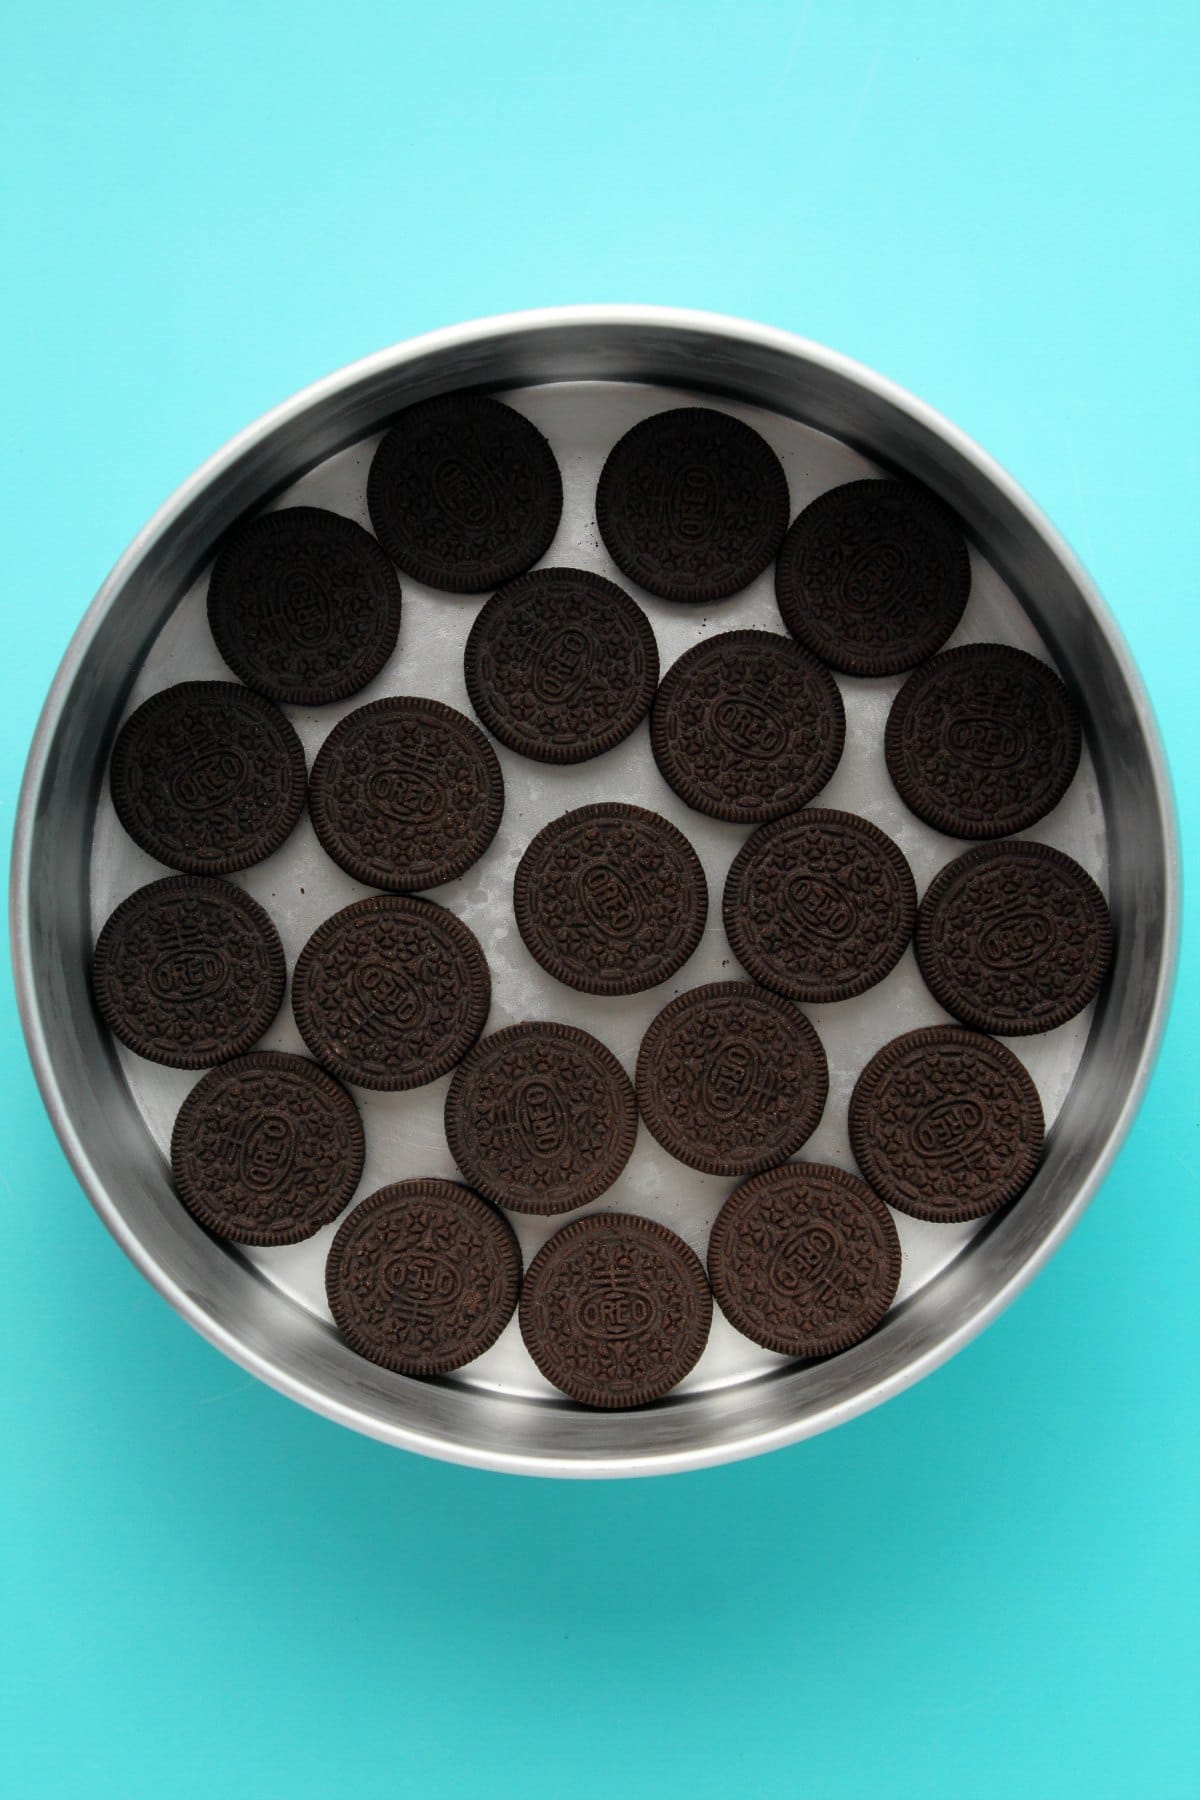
(208, 777)
(804, 1259)
(406, 793)
(303, 605)
(600, 1321)
(258, 1137)
(561, 665)
(862, 557)
(731, 1079)
(464, 493)
(422, 1277)
(692, 504)
(541, 1117)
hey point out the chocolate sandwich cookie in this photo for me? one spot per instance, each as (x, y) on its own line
(610, 899)
(804, 1259)
(267, 1149)
(982, 741)
(746, 726)
(406, 793)
(731, 1079)
(873, 577)
(390, 992)
(541, 1118)
(946, 1124)
(692, 504)
(464, 493)
(615, 1310)
(304, 605)
(208, 777)
(189, 972)
(423, 1277)
(561, 665)
(819, 906)
(1014, 938)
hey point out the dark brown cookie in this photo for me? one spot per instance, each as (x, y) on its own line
(746, 726)
(804, 1259)
(692, 504)
(873, 577)
(304, 605)
(208, 777)
(390, 992)
(731, 1079)
(610, 899)
(406, 794)
(267, 1149)
(982, 741)
(615, 1310)
(561, 665)
(946, 1124)
(819, 906)
(423, 1277)
(1014, 938)
(189, 972)
(464, 493)
(541, 1118)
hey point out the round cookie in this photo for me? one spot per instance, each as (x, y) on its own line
(819, 906)
(541, 1118)
(189, 972)
(804, 1259)
(207, 777)
(1014, 938)
(561, 665)
(406, 793)
(946, 1124)
(873, 577)
(303, 605)
(615, 1310)
(464, 493)
(746, 726)
(982, 741)
(610, 899)
(692, 504)
(422, 1277)
(731, 1079)
(390, 992)
(267, 1149)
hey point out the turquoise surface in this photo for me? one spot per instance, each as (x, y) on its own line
(987, 1588)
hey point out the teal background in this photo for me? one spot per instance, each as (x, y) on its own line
(987, 1588)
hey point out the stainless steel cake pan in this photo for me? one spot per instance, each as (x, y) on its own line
(105, 1119)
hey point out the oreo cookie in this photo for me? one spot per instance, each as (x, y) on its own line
(819, 906)
(541, 1118)
(267, 1149)
(423, 1277)
(303, 605)
(189, 972)
(390, 992)
(610, 899)
(405, 794)
(692, 504)
(731, 1079)
(747, 727)
(464, 493)
(946, 1124)
(207, 777)
(561, 665)
(1014, 938)
(615, 1310)
(982, 741)
(873, 577)
(804, 1259)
